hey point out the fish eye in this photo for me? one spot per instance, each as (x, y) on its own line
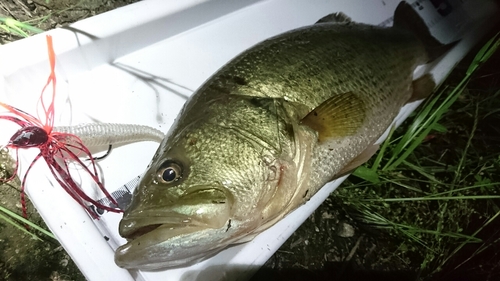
(169, 172)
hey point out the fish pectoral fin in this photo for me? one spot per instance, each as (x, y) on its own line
(338, 17)
(358, 160)
(339, 116)
(422, 87)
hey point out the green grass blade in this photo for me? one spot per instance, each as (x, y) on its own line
(421, 121)
(428, 118)
(433, 198)
(484, 54)
(465, 242)
(367, 174)
(25, 221)
(20, 227)
(427, 125)
(381, 153)
(18, 28)
(422, 171)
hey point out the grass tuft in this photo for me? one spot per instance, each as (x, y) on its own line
(434, 185)
(18, 28)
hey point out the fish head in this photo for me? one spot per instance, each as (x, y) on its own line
(205, 179)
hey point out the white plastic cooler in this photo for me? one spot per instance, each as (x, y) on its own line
(138, 64)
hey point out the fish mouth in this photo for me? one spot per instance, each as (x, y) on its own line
(164, 247)
(132, 228)
(141, 231)
(201, 207)
(179, 234)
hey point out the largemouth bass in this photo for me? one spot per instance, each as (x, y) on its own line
(268, 130)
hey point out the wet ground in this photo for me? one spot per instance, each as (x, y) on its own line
(330, 245)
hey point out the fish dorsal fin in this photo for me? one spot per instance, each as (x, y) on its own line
(339, 116)
(335, 18)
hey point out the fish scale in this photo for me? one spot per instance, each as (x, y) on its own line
(264, 134)
(391, 68)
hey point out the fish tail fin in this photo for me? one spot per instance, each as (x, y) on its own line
(407, 18)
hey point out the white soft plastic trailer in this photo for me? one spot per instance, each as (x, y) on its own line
(139, 63)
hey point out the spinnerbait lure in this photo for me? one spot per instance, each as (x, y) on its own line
(61, 146)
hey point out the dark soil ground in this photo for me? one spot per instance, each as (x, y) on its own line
(49, 14)
(330, 245)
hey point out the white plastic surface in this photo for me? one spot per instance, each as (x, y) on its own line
(138, 64)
